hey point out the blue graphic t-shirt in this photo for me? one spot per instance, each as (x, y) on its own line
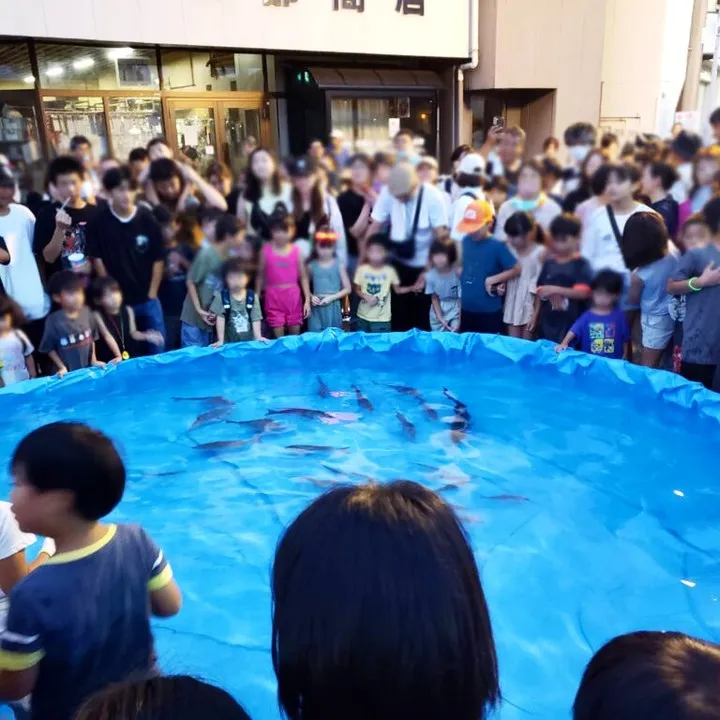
(604, 335)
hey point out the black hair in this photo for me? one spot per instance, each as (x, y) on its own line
(281, 219)
(634, 172)
(665, 173)
(715, 117)
(366, 160)
(253, 188)
(598, 181)
(459, 152)
(498, 183)
(644, 239)
(138, 154)
(381, 158)
(522, 223)
(227, 226)
(402, 631)
(163, 215)
(78, 141)
(115, 177)
(697, 218)
(71, 456)
(9, 307)
(581, 134)
(447, 249)
(64, 165)
(65, 281)
(102, 285)
(651, 676)
(465, 180)
(178, 697)
(378, 239)
(551, 167)
(159, 140)
(566, 225)
(406, 132)
(622, 171)
(6, 179)
(164, 169)
(609, 139)
(711, 211)
(550, 142)
(608, 280)
(209, 214)
(232, 266)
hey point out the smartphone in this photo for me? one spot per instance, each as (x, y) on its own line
(498, 121)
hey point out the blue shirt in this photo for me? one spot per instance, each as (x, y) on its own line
(655, 297)
(480, 260)
(83, 619)
(603, 335)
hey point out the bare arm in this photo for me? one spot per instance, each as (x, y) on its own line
(260, 279)
(4, 257)
(438, 310)
(567, 341)
(304, 279)
(51, 252)
(99, 267)
(167, 601)
(193, 295)
(257, 329)
(504, 276)
(581, 292)
(635, 291)
(107, 337)
(369, 299)
(374, 228)
(30, 365)
(12, 570)
(345, 289)
(59, 364)
(220, 328)
(157, 275)
(212, 197)
(361, 224)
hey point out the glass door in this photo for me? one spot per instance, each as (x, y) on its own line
(242, 130)
(193, 131)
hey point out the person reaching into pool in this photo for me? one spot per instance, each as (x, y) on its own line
(400, 632)
(80, 621)
(651, 676)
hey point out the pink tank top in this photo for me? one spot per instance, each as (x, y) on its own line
(281, 269)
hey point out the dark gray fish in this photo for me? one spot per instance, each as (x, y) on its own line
(226, 444)
(509, 498)
(211, 416)
(342, 473)
(323, 389)
(320, 482)
(168, 473)
(309, 449)
(362, 400)
(212, 400)
(457, 403)
(402, 389)
(431, 413)
(302, 412)
(407, 426)
(264, 425)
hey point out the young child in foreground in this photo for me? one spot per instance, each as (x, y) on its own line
(603, 329)
(80, 621)
(443, 285)
(16, 360)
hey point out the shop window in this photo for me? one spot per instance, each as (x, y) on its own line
(133, 123)
(211, 70)
(15, 68)
(77, 67)
(70, 116)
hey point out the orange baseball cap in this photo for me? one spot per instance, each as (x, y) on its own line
(477, 214)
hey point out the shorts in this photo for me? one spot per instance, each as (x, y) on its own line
(657, 331)
(368, 326)
(451, 312)
(479, 322)
(283, 306)
(191, 336)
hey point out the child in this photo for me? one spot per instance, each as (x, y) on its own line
(698, 277)
(657, 181)
(443, 284)
(237, 309)
(705, 174)
(80, 621)
(564, 282)
(203, 281)
(523, 234)
(498, 191)
(16, 360)
(695, 233)
(282, 273)
(329, 281)
(602, 330)
(71, 332)
(117, 320)
(373, 283)
(486, 263)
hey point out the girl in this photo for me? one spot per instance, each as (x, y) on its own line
(443, 284)
(116, 322)
(592, 198)
(705, 174)
(330, 283)
(529, 198)
(525, 237)
(281, 272)
(16, 361)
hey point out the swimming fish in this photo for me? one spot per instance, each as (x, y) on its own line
(169, 473)
(211, 416)
(402, 389)
(323, 389)
(212, 400)
(408, 427)
(343, 473)
(511, 498)
(363, 401)
(226, 444)
(302, 412)
(461, 421)
(310, 449)
(264, 425)
(429, 411)
(319, 482)
(457, 403)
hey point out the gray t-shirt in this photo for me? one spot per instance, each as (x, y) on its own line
(445, 285)
(701, 330)
(238, 325)
(71, 338)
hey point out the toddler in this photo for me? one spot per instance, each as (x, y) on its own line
(443, 284)
(329, 281)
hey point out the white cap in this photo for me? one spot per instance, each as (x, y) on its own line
(428, 160)
(337, 134)
(472, 164)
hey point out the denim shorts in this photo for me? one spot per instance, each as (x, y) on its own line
(657, 331)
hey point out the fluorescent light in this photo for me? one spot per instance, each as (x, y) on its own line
(119, 53)
(29, 79)
(83, 63)
(55, 71)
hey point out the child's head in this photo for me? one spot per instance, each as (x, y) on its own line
(377, 250)
(443, 255)
(658, 177)
(651, 676)
(552, 172)
(607, 287)
(169, 225)
(227, 230)
(707, 166)
(616, 180)
(68, 290)
(282, 226)
(645, 240)
(235, 275)
(64, 472)
(695, 232)
(565, 231)
(11, 315)
(477, 220)
(207, 220)
(712, 215)
(325, 243)
(498, 191)
(107, 294)
(520, 229)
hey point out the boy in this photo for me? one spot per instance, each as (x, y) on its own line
(485, 263)
(373, 283)
(203, 281)
(71, 332)
(564, 282)
(238, 313)
(657, 180)
(603, 330)
(79, 622)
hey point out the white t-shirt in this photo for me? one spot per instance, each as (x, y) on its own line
(21, 278)
(12, 541)
(433, 215)
(467, 195)
(14, 348)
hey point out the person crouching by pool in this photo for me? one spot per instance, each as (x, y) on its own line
(374, 283)
(81, 621)
(485, 264)
(399, 632)
(651, 676)
(283, 277)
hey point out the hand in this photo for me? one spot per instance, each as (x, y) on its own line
(62, 220)
(263, 340)
(98, 364)
(154, 337)
(316, 301)
(562, 347)
(208, 317)
(532, 324)
(217, 344)
(326, 300)
(489, 286)
(62, 372)
(372, 300)
(558, 302)
(710, 277)
(306, 310)
(494, 134)
(186, 171)
(543, 291)
(116, 360)
(501, 289)
(419, 285)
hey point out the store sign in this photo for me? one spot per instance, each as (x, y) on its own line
(420, 28)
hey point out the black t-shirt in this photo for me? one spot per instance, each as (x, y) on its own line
(575, 198)
(351, 205)
(75, 238)
(128, 249)
(554, 324)
(173, 289)
(669, 210)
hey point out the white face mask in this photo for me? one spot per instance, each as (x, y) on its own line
(685, 171)
(579, 152)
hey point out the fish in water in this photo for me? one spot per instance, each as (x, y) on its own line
(330, 418)
(407, 426)
(457, 403)
(430, 412)
(264, 425)
(211, 416)
(461, 421)
(510, 498)
(323, 389)
(312, 449)
(342, 473)
(212, 400)
(226, 444)
(169, 473)
(402, 389)
(363, 401)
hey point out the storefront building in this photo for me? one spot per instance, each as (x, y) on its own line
(207, 74)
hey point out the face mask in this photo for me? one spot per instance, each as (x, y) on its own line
(579, 152)
(685, 171)
(405, 155)
(525, 205)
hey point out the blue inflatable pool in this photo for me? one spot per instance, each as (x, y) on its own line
(589, 488)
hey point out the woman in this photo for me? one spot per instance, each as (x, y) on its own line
(356, 205)
(574, 199)
(378, 611)
(313, 206)
(530, 199)
(264, 191)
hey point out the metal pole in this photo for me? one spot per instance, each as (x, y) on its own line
(691, 88)
(711, 99)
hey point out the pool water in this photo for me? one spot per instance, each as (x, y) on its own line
(590, 500)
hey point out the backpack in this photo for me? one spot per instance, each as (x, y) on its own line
(249, 303)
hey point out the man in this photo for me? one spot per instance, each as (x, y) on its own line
(82, 151)
(59, 238)
(138, 161)
(337, 149)
(125, 242)
(504, 151)
(172, 184)
(417, 216)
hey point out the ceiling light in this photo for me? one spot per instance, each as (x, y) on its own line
(83, 63)
(29, 79)
(121, 52)
(55, 71)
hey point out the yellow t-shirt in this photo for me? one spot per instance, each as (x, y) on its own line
(378, 282)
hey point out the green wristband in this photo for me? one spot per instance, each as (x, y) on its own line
(691, 285)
